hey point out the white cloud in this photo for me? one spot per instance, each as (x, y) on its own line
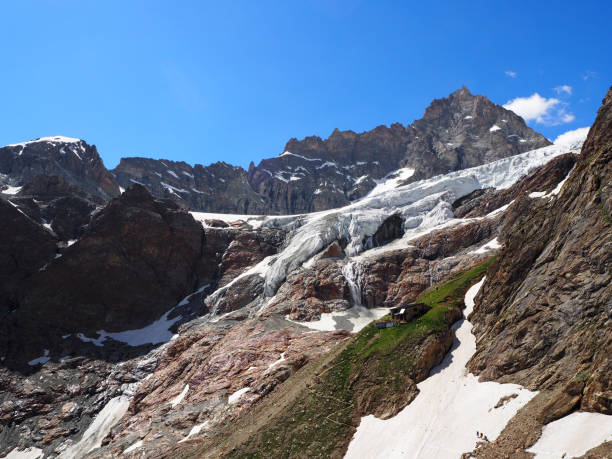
(588, 75)
(571, 137)
(510, 73)
(564, 88)
(545, 111)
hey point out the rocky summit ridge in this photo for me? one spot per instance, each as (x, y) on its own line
(460, 131)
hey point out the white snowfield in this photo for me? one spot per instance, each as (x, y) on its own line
(573, 435)
(451, 407)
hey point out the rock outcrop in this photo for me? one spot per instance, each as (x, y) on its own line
(543, 318)
(73, 159)
(138, 258)
(64, 208)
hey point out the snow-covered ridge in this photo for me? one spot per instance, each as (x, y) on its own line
(53, 139)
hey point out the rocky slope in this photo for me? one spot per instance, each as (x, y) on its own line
(158, 332)
(544, 318)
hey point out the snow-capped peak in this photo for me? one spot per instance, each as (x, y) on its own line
(53, 139)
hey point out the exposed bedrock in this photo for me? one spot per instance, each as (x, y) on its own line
(544, 317)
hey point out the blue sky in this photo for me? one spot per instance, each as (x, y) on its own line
(233, 81)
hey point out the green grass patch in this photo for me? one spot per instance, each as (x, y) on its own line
(442, 298)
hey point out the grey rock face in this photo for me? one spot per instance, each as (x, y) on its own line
(460, 131)
(72, 159)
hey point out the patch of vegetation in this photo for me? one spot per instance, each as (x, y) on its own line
(376, 367)
(583, 376)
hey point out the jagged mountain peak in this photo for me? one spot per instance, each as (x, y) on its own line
(459, 131)
(74, 159)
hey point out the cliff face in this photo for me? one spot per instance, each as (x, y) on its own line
(72, 159)
(457, 132)
(544, 317)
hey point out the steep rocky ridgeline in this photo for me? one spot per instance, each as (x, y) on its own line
(543, 319)
(219, 187)
(73, 159)
(457, 132)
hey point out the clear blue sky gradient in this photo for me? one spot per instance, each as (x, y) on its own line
(234, 80)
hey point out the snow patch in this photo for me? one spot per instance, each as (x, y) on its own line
(28, 453)
(555, 191)
(195, 430)
(134, 447)
(451, 406)
(12, 189)
(43, 359)
(179, 398)
(288, 153)
(155, 333)
(54, 139)
(493, 244)
(173, 189)
(361, 179)
(104, 421)
(494, 128)
(353, 319)
(232, 399)
(573, 435)
(276, 362)
(327, 164)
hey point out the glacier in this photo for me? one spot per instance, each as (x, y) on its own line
(423, 206)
